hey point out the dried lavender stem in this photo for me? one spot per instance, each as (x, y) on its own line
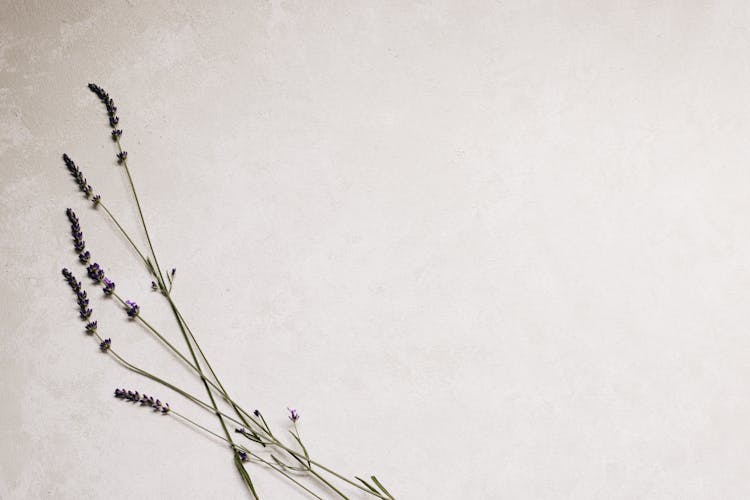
(124, 233)
(160, 278)
(274, 441)
(249, 452)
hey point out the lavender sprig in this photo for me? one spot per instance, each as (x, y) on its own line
(256, 429)
(83, 184)
(84, 311)
(75, 230)
(144, 400)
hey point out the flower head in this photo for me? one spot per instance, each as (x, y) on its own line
(242, 455)
(143, 399)
(293, 415)
(122, 156)
(95, 272)
(77, 175)
(132, 308)
(109, 286)
(105, 345)
(91, 327)
(84, 257)
(75, 231)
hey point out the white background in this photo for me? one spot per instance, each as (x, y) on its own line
(487, 249)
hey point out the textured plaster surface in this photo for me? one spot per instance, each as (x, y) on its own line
(489, 250)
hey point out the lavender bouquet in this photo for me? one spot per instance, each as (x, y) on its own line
(251, 441)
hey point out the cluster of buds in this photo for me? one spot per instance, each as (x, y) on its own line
(108, 102)
(81, 296)
(144, 400)
(95, 272)
(243, 455)
(83, 185)
(109, 286)
(132, 308)
(91, 327)
(113, 118)
(75, 231)
(293, 415)
(105, 345)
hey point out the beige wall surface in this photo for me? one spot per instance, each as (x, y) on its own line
(489, 250)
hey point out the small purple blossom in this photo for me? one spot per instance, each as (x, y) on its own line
(96, 200)
(242, 455)
(122, 156)
(132, 308)
(84, 257)
(85, 313)
(293, 415)
(109, 286)
(105, 345)
(116, 134)
(91, 327)
(256, 413)
(95, 272)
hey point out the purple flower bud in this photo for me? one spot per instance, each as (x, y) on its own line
(242, 455)
(95, 272)
(91, 327)
(96, 200)
(105, 345)
(293, 415)
(256, 413)
(122, 156)
(109, 286)
(132, 308)
(85, 313)
(84, 257)
(116, 134)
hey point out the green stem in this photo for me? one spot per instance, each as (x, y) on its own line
(182, 329)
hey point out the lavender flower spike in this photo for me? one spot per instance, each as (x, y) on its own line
(111, 108)
(83, 185)
(75, 231)
(135, 397)
(133, 309)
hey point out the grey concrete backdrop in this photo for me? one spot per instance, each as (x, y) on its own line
(489, 250)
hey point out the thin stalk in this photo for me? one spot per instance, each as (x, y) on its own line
(182, 329)
(249, 452)
(124, 233)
